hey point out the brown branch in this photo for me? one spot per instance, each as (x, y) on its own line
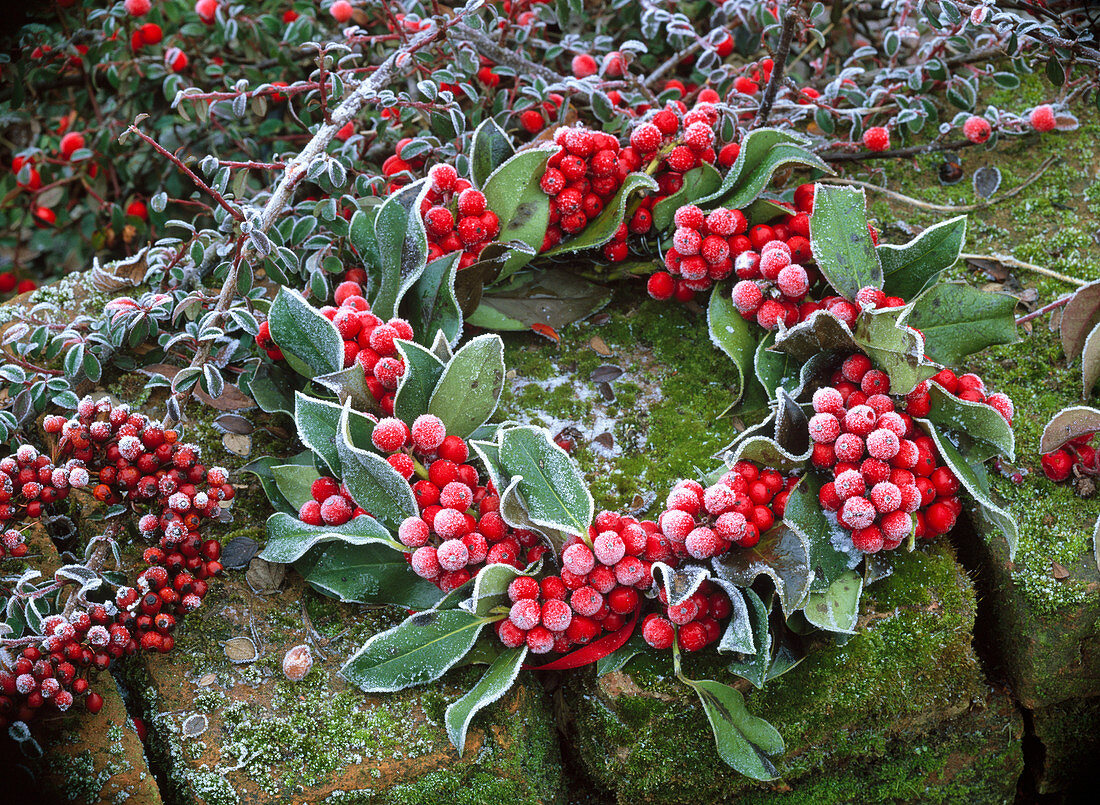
(911, 151)
(779, 64)
(214, 194)
(1044, 309)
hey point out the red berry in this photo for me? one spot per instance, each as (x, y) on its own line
(977, 129)
(876, 138)
(1042, 118)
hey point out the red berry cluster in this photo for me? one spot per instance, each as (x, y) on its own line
(967, 387)
(581, 177)
(332, 504)
(398, 169)
(597, 590)
(887, 480)
(367, 339)
(1058, 464)
(123, 457)
(456, 218)
(703, 522)
(680, 140)
(694, 623)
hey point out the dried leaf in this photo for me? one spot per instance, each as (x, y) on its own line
(546, 331)
(241, 650)
(605, 440)
(1080, 315)
(986, 181)
(1067, 424)
(206, 680)
(606, 392)
(1058, 571)
(600, 346)
(196, 724)
(239, 552)
(263, 576)
(234, 423)
(237, 444)
(606, 373)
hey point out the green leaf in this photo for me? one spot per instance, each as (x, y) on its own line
(731, 333)
(422, 372)
(361, 233)
(836, 609)
(993, 514)
(840, 241)
(551, 296)
(294, 481)
(894, 347)
(469, 389)
(402, 246)
(743, 740)
(552, 484)
(372, 482)
(288, 538)
(788, 447)
(513, 193)
(431, 302)
(309, 341)
(601, 230)
(782, 554)
(267, 388)
(754, 666)
(763, 152)
(978, 421)
(366, 574)
(420, 649)
(821, 332)
(617, 659)
(698, 183)
(958, 320)
(350, 385)
(318, 421)
(910, 268)
(491, 588)
(490, 149)
(805, 516)
(493, 684)
(263, 468)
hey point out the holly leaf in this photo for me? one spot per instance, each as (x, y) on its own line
(841, 242)
(317, 422)
(550, 483)
(309, 341)
(371, 573)
(513, 508)
(294, 482)
(617, 659)
(753, 665)
(698, 183)
(350, 386)
(414, 391)
(825, 538)
(1090, 362)
(491, 588)
(788, 448)
(373, 484)
(763, 152)
(402, 246)
(431, 303)
(420, 649)
(910, 268)
(895, 348)
(979, 421)
(548, 297)
(603, 228)
(493, 684)
(993, 514)
(782, 554)
(821, 332)
(288, 538)
(743, 740)
(1066, 425)
(490, 148)
(263, 468)
(513, 193)
(837, 608)
(680, 582)
(731, 333)
(469, 389)
(958, 320)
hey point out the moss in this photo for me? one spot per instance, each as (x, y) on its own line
(1070, 736)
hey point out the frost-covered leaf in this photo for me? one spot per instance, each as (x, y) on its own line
(1068, 424)
(821, 332)
(744, 741)
(263, 469)
(979, 421)
(679, 582)
(422, 372)
(910, 268)
(493, 684)
(617, 659)
(431, 304)
(491, 588)
(420, 649)
(763, 152)
(958, 320)
(294, 482)
(825, 537)
(986, 179)
(993, 514)
(782, 555)
(551, 485)
(317, 422)
(350, 386)
(372, 573)
(603, 228)
(731, 333)
(288, 538)
(469, 389)
(837, 608)
(753, 665)
(372, 482)
(402, 247)
(309, 341)
(490, 149)
(513, 193)
(1090, 362)
(1079, 317)
(894, 347)
(840, 241)
(698, 183)
(787, 448)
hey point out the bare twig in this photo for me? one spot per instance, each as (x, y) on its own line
(1061, 301)
(779, 64)
(1012, 262)
(911, 151)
